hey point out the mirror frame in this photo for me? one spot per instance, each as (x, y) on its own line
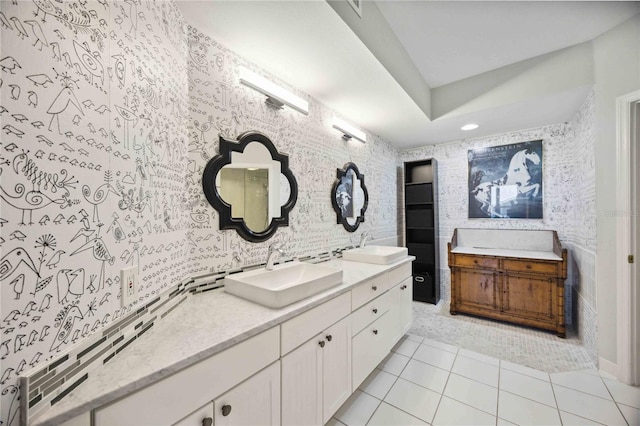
(339, 175)
(215, 164)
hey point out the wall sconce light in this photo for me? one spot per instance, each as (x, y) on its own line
(348, 130)
(276, 95)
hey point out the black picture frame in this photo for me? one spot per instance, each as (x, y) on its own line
(505, 181)
(215, 164)
(343, 185)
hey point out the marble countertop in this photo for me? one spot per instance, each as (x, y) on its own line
(202, 326)
(529, 254)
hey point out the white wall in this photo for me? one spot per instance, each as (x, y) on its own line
(617, 72)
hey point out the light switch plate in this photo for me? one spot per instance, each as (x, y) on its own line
(129, 283)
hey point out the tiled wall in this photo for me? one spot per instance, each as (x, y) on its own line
(110, 110)
(569, 202)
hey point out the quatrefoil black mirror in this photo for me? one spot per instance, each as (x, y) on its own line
(349, 197)
(250, 185)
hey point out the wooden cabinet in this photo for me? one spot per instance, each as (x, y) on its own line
(516, 284)
(421, 227)
(316, 377)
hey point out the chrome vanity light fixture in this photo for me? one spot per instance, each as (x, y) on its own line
(277, 97)
(348, 130)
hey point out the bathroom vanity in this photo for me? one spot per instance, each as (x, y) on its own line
(511, 275)
(219, 359)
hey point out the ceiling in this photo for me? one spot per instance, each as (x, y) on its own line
(310, 47)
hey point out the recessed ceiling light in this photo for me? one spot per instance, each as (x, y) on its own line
(469, 126)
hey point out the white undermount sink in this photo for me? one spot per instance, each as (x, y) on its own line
(285, 284)
(380, 255)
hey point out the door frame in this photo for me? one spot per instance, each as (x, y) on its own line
(628, 308)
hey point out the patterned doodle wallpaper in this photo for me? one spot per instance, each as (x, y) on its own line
(110, 110)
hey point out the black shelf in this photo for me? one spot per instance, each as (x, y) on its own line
(421, 227)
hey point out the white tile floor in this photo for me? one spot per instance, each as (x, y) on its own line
(428, 382)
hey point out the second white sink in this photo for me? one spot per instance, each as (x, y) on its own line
(285, 284)
(381, 255)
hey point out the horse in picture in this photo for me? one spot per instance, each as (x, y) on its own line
(505, 191)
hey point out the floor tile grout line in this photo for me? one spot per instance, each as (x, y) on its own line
(498, 395)
(555, 398)
(577, 415)
(586, 393)
(445, 387)
(614, 399)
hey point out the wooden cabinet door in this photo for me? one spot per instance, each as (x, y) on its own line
(256, 401)
(302, 384)
(336, 367)
(476, 289)
(530, 296)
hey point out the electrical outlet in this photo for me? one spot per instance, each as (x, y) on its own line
(129, 282)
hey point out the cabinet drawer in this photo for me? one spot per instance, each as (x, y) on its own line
(371, 345)
(540, 267)
(194, 386)
(369, 290)
(475, 261)
(370, 312)
(399, 274)
(299, 329)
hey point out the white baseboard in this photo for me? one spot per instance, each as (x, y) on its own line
(608, 366)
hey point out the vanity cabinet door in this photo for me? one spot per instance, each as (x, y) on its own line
(405, 298)
(316, 377)
(336, 367)
(476, 290)
(256, 401)
(201, 417)
(302, 384)
(530, 297)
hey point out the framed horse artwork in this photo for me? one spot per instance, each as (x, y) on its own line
(506, 181)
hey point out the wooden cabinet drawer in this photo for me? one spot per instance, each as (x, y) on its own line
(370, 312)
(369, 290)
(299, 329)
(541, 267)
(475, 261)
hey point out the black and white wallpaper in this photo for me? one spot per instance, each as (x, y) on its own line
(109, 111)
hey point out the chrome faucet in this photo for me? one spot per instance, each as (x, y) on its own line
(271, 256)
(363, 239)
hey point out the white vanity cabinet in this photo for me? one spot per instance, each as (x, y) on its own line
(256, 402)
(167, 401)
(404, 293)
(316, 376)
(382, 317)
